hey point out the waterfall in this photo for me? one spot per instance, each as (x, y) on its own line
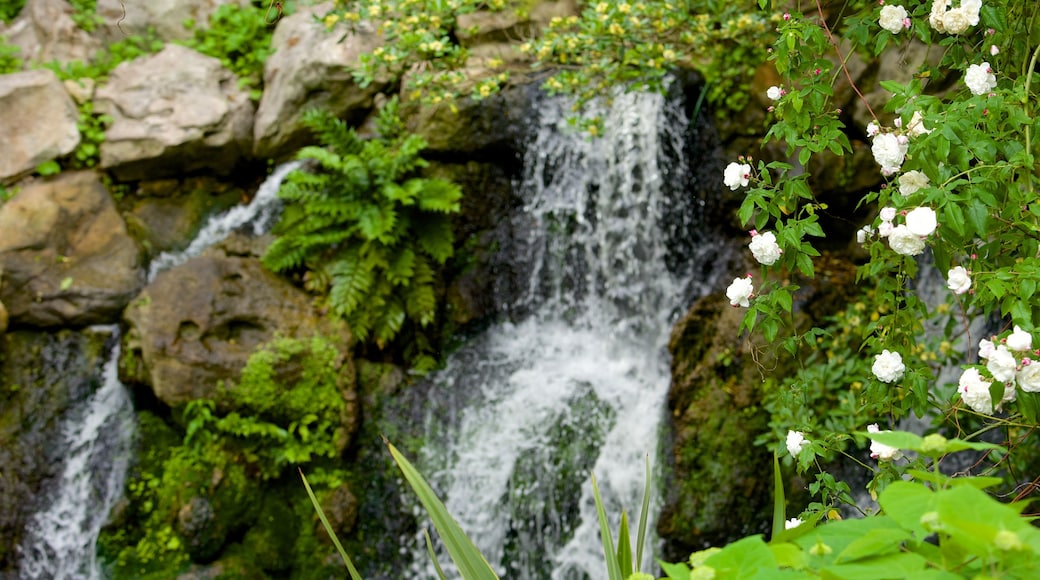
(258, 215)
(60, 539)
(522, 414)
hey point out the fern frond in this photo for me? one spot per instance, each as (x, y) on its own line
(332, 131)
(375, 221)
(328, 160)
(351, 281)
(440, 196)
(389, 322)
(435, 237)
(284, 254)
(402, 267)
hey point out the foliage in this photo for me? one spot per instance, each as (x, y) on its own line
(10, 62)
(240, 38)
(366, 230)
(9, 9)
(84, 14)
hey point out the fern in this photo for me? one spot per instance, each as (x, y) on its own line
(365, 228)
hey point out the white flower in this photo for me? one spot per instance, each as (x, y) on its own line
(774, 93)
(912, 181)
(740, 291)
(792, 523)
(863, 233)
(872, 129)
(936, 17)
(796, 441)
(994, 50)
(765, 249)
(884, 229)
(975, 391)
(888, 366)
(1029, 378)
(980, 79)
(986, 348)
(971, 9)
(958, 280)
(887, 214)
(916, 127)
(889, 152)
(892, 18)
(880, 451)
(956, 21)
(736, 175)
(904, 242)
(921, 221)
(1001, 364)
(1019, 340)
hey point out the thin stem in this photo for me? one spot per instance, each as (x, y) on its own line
(848, 75)
(1029, 79)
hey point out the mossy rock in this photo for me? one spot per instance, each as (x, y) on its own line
(270, 541)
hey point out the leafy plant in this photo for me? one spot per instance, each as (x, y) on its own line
(367, 231)
(240, 38)
(9, 60)
(9, 9)
(84, 14)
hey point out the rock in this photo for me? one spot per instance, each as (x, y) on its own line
(197, 524)
(39, 121)
(196, 325)
(65, 253)
(165, 17)
(42, 376)
(173, 112)
(310, 68)
(720, 487)
(486, 26)
(45, 31)
(341, 509)
(272, 537)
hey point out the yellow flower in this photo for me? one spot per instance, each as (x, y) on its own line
(616, 29)
(331, 19)
(374, 10)
(624, 8)
(602, 7)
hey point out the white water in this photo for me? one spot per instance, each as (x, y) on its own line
(580, 384)
(259, 215)
(60, 539)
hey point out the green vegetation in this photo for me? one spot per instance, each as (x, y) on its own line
(365, 232)
(241, 39)
(9, 9)
(84, 14)
(9, 60)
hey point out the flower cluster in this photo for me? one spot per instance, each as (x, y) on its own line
(907, 238)
(1007, 361)
(954, 20)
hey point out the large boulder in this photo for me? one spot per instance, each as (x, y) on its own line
(196, 325)
(174, 112)
(310, 68)
(44, 31)
(65, 254)
(39, 121)
(166, 18)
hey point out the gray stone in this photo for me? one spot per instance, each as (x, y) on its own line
(309, 68)
(173, 112)
(45, 31)
(39, 121)
(165, 17)
(65, 253)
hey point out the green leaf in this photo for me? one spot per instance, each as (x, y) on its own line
(624, 547)
(470, 562)
(779, 503)
(613, 567)
(328, 528)
(644, 515)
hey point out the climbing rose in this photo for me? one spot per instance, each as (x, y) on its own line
(765, 249)
(986, 348)
(905, 242)
(980, 79)
(740, 291)
(774, 93)
(888, 366)
(887, 214)
(880, 451)
(892, 18)
(1019, 340)
(736, 175)
(863, 233)
(912, 181)
(958, 280)
(1029, 377)
(796, 441)
(889, 152)
(956, 21)
(872, 129)
(921, 221)
(916, 127)
(884, 229)
(975, 391)
(1001, 364)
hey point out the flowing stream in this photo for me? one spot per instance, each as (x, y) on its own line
(60, 539)
(521, 415)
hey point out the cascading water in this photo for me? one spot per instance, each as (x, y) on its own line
(60, 539)
(522, 414)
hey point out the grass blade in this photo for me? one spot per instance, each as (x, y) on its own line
(643, 515)
(470, 562)
(433, 555)
(613, 569)
(779, 504)
(624, 547)
(328, 528)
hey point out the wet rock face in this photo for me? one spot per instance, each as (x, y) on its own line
(196, 325)
(65, 254)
